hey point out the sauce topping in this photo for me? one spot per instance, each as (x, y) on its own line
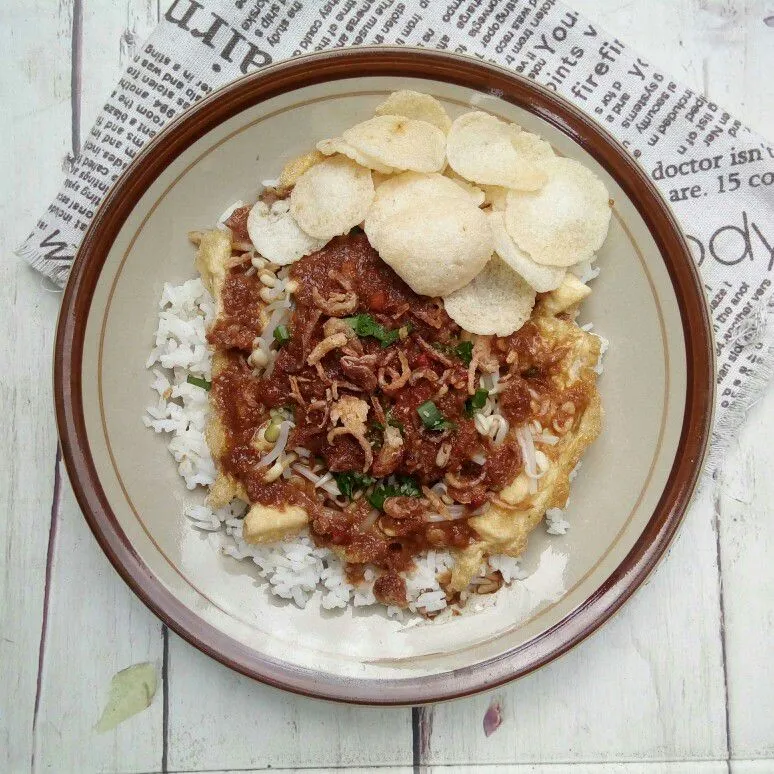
(381, 388)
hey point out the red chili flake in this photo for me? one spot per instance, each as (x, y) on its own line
(378, 301)
(237, 222)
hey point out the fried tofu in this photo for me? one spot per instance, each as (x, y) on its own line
(503, 529)
(264, 524)
(212, 258)
(566, 297)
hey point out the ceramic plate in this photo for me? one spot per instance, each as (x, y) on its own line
(636, 480)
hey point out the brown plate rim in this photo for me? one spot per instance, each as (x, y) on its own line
(393, 62)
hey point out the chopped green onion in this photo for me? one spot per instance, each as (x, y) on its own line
(432, 418)
(197, 382)
(365, 325)
(464, 351)
(476, 402)
(351, 481)
(377, 497)
(390, 337)
(281, 334)
(406, 486)
(479, 399)
(375, 435)
(392, 422)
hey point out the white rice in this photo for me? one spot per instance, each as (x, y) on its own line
(585, 271)
(295, 570)
(556, 524)
(181, 349)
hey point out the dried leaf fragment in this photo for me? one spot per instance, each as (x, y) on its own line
(131, 691)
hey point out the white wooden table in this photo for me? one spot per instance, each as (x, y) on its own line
(682, 680)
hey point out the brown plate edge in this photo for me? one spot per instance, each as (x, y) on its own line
(395, 62)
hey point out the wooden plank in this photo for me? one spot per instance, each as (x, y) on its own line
(336, 770)
(35, 130)
(670, 767)
(746, 546)
(639, 767)
(95, 626)
(647, 686)
(762, 766)
(218, 717)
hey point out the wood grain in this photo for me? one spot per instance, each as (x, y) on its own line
(35, 132)
(743, 509)
(94, 626)
(647, 686)
(632, 767)
(761, 766)
(267, 727)
(325, 770)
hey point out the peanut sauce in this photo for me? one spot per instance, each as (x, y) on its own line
(349, 265)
